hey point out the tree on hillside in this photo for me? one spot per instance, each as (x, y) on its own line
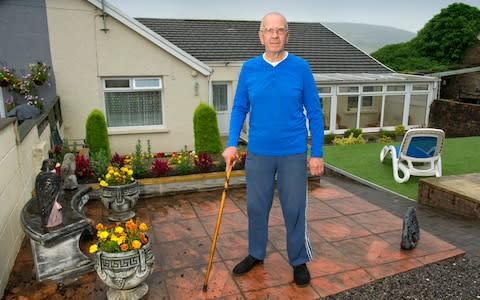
(447, 36)
(440, 44)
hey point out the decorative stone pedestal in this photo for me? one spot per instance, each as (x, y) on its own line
(120, 201)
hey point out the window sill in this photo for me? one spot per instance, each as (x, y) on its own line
(136, 130)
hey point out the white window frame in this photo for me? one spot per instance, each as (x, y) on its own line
(132, 88)
(229, 95)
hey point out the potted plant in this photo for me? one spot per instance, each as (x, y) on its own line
(35, 101)
(39, 72)
(6, 76)
(119, 192)
(123, 259)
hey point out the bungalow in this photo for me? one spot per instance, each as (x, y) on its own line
(149, 75)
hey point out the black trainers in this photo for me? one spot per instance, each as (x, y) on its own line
(301, 275)
(246, 265)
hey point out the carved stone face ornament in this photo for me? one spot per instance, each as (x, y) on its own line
(47, 186)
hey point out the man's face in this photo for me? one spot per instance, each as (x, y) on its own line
(274, 34)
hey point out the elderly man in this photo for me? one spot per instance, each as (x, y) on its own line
(277, 89)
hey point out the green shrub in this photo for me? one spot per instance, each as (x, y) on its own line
(142, 161)
(385, 140)
(350, 140)
(355, 131)
(328, 138)
(387, 133)
(99, 163)
(206, 132)
(97, 133)
(399, 130)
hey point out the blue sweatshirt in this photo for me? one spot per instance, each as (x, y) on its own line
(276, 98)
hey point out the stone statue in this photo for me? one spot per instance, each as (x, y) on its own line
(410, 230)
(47, 187)
(48, 165)
(68, 172)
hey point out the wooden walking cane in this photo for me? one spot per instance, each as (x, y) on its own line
(217, 226)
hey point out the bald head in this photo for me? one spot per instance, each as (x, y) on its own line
(273, 15)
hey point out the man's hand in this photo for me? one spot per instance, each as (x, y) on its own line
(230, 154)
(316, 166)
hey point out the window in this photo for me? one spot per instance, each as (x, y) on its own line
(395, 88)
(348, 89)
(133, 102)
(220, 96)
(372, 89)
(324, 89)
(420, 87)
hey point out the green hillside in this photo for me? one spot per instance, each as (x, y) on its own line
(439, 45)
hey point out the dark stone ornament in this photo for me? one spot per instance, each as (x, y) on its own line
(410, 230)
(47, 187)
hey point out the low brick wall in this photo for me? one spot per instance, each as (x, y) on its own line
(457, 119)
(434, 195)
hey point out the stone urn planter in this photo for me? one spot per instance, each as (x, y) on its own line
(124, 273)
(120, 200)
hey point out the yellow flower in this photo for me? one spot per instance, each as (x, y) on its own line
(103, 183)
(130, 172)
(113, 238)
(108, 176)
(120, 237)
(143, 227)
(136, 244)
(103, 235)
(93, 248)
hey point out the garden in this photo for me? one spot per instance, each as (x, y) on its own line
(94, 162)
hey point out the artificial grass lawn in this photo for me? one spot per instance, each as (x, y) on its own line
(459, 156)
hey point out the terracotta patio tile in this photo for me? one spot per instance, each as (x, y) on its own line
(157, 285)
(336, 283)
(274, 271)
(393, 268)
(370, 250)
(318, 210)
(337, 229)
(329, 192)
(232, 245)
(378, 221)
(427, 244)
(166, 210)
(179, 229)
(286, 291)
(329, 260)
(352, 205)
(187, 283)
(439, 256)
(183, 253)
(230, 222)
(209, 206)
(431, 244)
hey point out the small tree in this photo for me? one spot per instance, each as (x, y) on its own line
(97, 133)
(207, 134)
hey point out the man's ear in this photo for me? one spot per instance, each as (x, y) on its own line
(260, 36)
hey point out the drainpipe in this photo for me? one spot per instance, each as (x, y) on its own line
(104, 17)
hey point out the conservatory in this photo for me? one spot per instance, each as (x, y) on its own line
(375, 101)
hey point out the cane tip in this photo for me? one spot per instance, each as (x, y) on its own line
(205, 288)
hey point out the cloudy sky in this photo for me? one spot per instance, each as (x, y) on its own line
(410, 15)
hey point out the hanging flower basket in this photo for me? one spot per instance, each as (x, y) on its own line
(39, 73)
(6, 76)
